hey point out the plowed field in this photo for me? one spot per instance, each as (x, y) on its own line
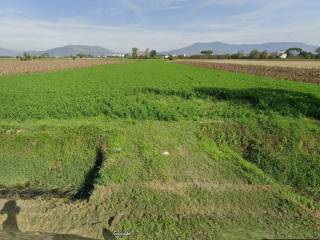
(305, 71)
(48, 65)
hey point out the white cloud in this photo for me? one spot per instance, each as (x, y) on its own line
(25, 33)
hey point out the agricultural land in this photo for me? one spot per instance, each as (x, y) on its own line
(295, 70)
(159, 150)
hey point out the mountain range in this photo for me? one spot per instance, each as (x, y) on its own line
(217, 47)
(62, 51)
(225, 48)
(9, 53)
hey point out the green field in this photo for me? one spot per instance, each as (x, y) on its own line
(190, 152)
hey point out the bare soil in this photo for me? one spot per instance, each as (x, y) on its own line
(273, 69)
(43, 218)
(310, 64)
(14, 66)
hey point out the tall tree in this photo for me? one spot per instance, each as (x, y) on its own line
(294, 52)
(153, 53)
(207, 52)
(135, 52)
(254, 54)
(264, 55)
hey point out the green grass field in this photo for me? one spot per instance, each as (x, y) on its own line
(190, 152)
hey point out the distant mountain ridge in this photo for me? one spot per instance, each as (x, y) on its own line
(62, 51)
(8, 53)
(217, 47)
(225, 48)
(77, 49)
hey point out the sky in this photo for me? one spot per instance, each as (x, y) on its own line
(119, 25)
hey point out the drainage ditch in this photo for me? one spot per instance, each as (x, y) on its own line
(84, 193)
(87, 188)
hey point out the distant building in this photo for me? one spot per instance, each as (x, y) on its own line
(121, 55)
(282, 54)
(141, 54)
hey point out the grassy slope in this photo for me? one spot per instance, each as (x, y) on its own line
(224, 172)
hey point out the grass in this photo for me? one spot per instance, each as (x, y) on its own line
(152, 90)
(46, 158)
(189, 151)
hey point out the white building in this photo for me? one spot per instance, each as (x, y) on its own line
(282, 54)
(121, 55)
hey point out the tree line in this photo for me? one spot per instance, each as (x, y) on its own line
(256, 54)
(136, 54)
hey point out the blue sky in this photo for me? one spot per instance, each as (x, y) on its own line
(161, 24)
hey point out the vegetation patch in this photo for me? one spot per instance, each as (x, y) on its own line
(162, 149)
(288, 154)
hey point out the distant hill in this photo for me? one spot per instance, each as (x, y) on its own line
(224, 48)
(217, 47)
(9, 53)
(62, 51)
(77, 49)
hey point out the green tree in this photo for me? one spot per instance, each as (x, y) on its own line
(45, 55)
(26, 57)
(81, 55)
(239, 55)
(153, 53)
(307, 55)
(318, 51)
(292, 52)
(264, 55)
(273, 55)
(207, 52)
(135, 53)
(254, 54)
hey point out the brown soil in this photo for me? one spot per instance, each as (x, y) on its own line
(310, 75)
(310, 64)
(50, 219)
(13, 66)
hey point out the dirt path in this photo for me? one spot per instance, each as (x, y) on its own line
(310, 75)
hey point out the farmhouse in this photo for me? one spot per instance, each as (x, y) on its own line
(282, 54)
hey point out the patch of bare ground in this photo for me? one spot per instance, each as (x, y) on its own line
(12, 66)
(310, 64)
(43, 218)
(304, 74)
(181, 187)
